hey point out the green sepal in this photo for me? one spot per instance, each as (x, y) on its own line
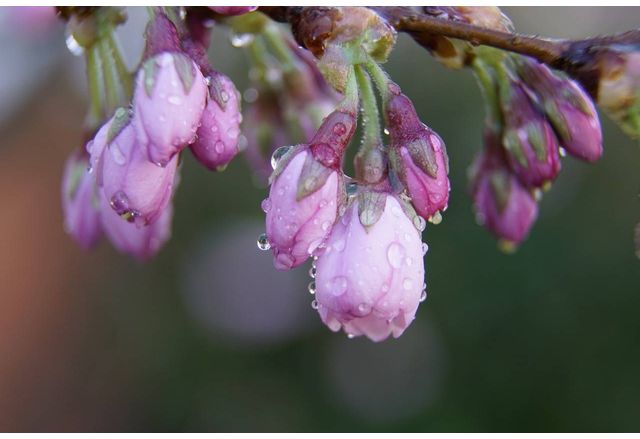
(557, 119)
(537, 141)
(185, 69)
(423, 155)
(513, 144)
(500, 184)
(150, 71)
(370, 207)
(121, 119)
(312, 177)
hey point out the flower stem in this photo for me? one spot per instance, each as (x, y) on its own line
(370, 114)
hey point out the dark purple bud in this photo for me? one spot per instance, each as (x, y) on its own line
(569, 109)
(501, 203)
(419, 158)
(528, 138)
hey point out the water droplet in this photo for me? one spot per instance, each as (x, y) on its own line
(407, 284)
(74, 47)
(266, 205)
(339, 285)
(419, 223)
(241, 40)
(425, 248)
(278, 154)
(175, 100)
(312, 287)
(386, 131)
(423, 296)
(325, 225)
(263, 242)
(250, 95)
(219, 147)
(314, 304)
(339, 246)
(350, 336)
(436, 218)
(352, 189)
(562, 151)
(312, 272)
(364, 308)
(395, 254)
(117, 155)
(409, 262)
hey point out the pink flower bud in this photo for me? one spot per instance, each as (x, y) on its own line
(135, 188)
(569, 109)
(140, 242)
(169, 99)
(232, 10)
(369, 280)
(529, 140)
(502, 204)
(296, 225)
(79, 205)
(218, 135)
(419, 158)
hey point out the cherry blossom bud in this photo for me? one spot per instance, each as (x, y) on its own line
(419, 158)
(369, 279)
(306, 191)
(136, 189)
(79, 205)
(140, 242)
(529, 140)
(502, 204)
(568, 107)
(218, 135)
(169, 99)
(232, 10)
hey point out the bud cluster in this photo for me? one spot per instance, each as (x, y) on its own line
(535, 116)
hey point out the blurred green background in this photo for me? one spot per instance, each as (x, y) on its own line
(209, 337)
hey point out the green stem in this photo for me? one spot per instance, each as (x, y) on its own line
(280, 49)
(257, 53)
(350, 100)
(112, 97)
(370, 116)
(381, 79)
(94, 79)
(124, 76)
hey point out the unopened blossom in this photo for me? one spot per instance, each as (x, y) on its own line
(502, 204)
(170, 97)
(369, 280)
(135, 188)
(419, 157)
(306, 192)
(528, 137)
(79, 202)
(232, 10)
(569, 109)
(219, 132)
(140, 242)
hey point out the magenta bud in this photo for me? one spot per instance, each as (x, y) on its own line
(528, 138)
(297, 225)
(569, 109)
(135, 188)
(219, 132)
(140, 242)
(333, 136)
(232, 10)
(419, 158)
(502, 204)
(79, 205)
(369, 279)
(169, 100)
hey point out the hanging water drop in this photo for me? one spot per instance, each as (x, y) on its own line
(74, 47)
(278, 154)
(314, 304)
(263, 242)
(436, 218)
(266, 205)
(419, 223)
(352, 189)
(312, 287)
(425, 248)
(312, 272)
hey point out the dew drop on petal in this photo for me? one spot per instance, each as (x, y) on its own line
(314, 304)
(339, 285)
(419, 223)
(312, 272)
(266, 205)
(407, 283)
(395, 254)
(352, 189)
(425, 248)
(278, 154)
(423, 296)
(312, 287)
(263, 242)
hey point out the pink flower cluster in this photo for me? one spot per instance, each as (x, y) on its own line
(124, 183)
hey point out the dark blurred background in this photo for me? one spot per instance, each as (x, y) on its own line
(209, 337)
